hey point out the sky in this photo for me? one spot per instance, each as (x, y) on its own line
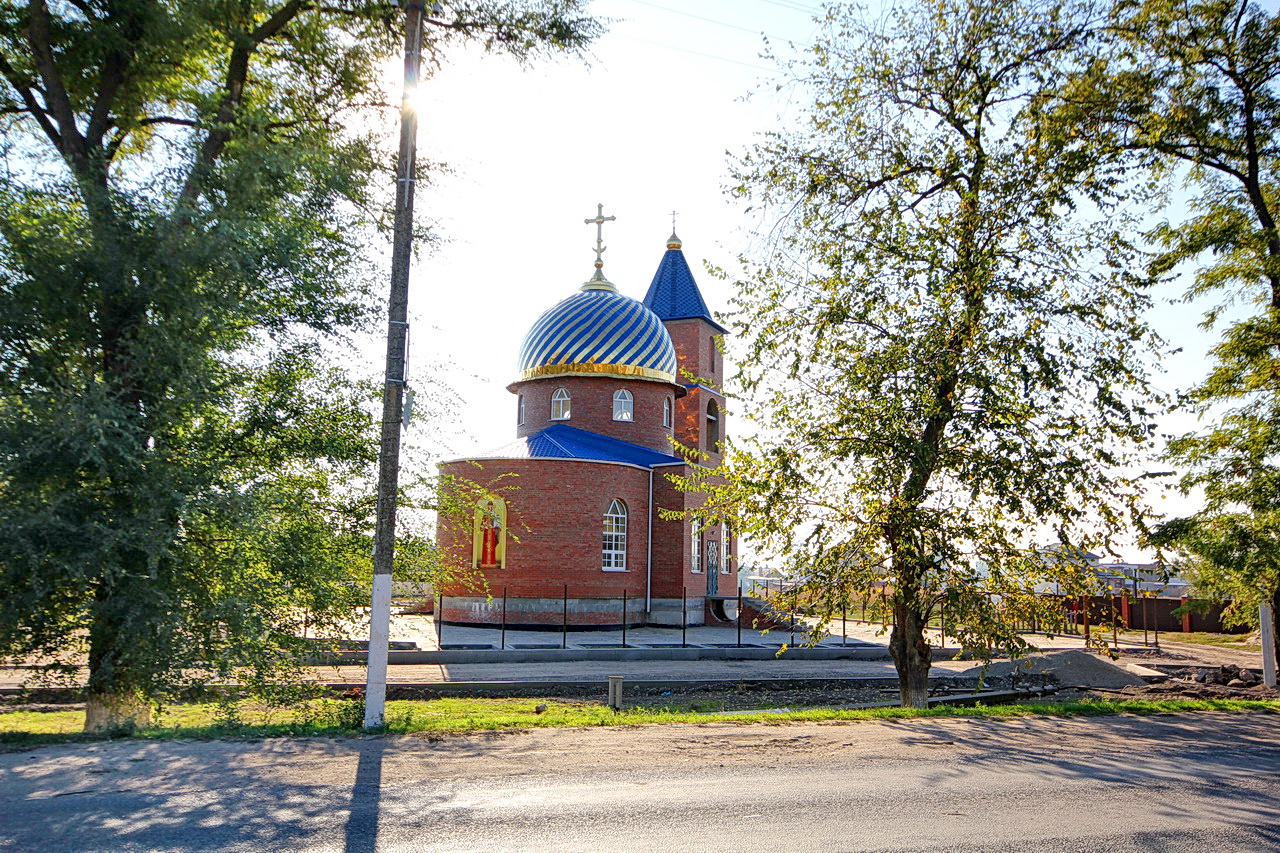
(647, 126)
(643, 129)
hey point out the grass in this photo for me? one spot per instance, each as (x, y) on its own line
(329, 718)
(1225, 641)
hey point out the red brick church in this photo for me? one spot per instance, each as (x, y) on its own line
(605, 384)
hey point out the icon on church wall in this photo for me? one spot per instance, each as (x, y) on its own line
(489, 537)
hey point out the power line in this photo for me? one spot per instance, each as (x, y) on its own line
(696, 53)
(700, 18)
(794, 7)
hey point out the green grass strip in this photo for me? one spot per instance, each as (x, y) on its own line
(20, 729)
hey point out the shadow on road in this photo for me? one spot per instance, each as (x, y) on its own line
(361, 831)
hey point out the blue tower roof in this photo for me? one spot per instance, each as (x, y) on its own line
(673, 294)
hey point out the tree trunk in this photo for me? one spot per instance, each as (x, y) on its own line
(1275, 623)
(108, 712)
(912, 656)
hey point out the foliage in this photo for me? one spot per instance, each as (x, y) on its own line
(1194, 86)
(187, 186)
(944, 342)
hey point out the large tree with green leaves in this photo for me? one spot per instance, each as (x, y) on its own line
(1190, 89)
(188, 185)
(944, 339)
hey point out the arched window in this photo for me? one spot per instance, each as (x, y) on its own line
(713, 425)
(666, 412)
(613, 555)
(624, 405)
(712, 339)
(519, 410)
(696, 547)
(560, 405)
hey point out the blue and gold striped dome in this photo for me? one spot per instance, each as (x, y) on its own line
(599, 331)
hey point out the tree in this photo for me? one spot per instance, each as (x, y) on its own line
(944, 347)
(181, 216)
(1190, 88)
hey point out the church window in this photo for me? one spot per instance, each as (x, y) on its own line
(613, 555)
(519, 410)
(560, 405)
(666, 412)
(623, 406)
(713, 425)
(712, 339)
(726, 538)
(696, 547)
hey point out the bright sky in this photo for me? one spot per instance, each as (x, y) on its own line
(645, 130)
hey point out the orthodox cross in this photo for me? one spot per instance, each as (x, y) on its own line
(599, 222)
(673, 222)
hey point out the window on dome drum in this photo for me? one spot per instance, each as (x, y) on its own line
(560, 405)
(613, 555)
(666, 412)
(519, 410)
(624, 406)
(713, 425)
(697, 547)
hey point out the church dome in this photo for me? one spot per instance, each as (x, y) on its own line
(598, 331)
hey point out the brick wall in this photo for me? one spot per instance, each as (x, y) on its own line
(591, 407)
(555, 519)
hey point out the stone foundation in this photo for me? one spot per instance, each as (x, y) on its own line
(583, 613)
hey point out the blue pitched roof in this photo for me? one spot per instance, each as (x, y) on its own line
(673, 294)
(565, 442)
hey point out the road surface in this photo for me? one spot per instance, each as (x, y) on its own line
(1165, 783)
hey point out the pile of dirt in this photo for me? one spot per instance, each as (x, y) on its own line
(1071, 668)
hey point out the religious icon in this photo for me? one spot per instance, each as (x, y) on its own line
(489, 541)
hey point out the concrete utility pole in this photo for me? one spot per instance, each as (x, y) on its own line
(1267, 621)
(393, 392)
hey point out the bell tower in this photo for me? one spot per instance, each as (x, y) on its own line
(674, 297)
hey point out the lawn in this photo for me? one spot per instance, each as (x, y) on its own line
(1238, 642)
(457, 715)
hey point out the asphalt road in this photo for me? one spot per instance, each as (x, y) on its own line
(1167, 783)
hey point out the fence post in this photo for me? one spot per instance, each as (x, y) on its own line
(624, 618)
(440, 623)
(564, 620)
(739, 614)
(1186, 615)
(684, 618)
(503, 642)
(1115, 632)
(844, 623)
(1087, 602)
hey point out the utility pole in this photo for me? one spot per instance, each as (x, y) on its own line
(393, 391)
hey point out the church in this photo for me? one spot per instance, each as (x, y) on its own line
(571, 531)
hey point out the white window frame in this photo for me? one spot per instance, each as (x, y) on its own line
(613, 550)
(725, 569)
(519, 410)
(561, 405)
(666, 412)
(695, 547)
(624, 406)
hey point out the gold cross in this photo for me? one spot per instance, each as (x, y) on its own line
(599, 222)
